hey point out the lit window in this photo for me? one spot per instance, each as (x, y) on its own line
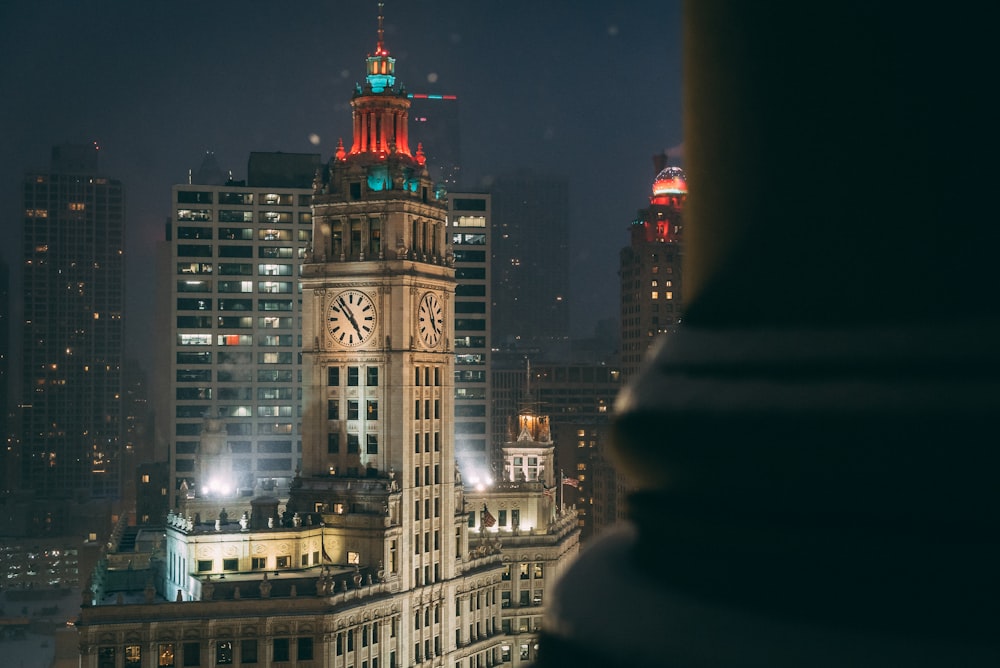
(133, 656)
(166, 654)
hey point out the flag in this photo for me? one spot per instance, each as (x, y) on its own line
(326, 557)
(551, 492)
(488, 519)
(572, 482)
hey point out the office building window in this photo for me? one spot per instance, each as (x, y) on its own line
(248, 651)
(192, 654)
(223, 652)
(133, 656)
(165, 655)
(281, 649)
(304, 649)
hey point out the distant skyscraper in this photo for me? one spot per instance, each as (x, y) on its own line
(469, 225)
(435, 126)
(530, 237)
(235, 333)
(651, 267)
(74, 240)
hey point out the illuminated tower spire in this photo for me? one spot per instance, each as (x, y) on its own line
(380, 48)
(381, 108)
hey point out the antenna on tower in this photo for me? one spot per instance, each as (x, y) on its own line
(380, 48)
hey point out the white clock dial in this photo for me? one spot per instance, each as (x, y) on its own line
(430, 320)
(351, 318)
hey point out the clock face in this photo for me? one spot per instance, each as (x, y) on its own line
(430, 320)
(350, 318)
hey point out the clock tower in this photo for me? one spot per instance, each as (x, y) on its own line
(377, 290)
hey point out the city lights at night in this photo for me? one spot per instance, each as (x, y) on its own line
(497, 335)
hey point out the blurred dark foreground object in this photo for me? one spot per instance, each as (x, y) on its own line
(816, 452)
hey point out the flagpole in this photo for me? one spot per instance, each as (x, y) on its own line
(562, 499)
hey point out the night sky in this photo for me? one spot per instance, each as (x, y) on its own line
(587, 90)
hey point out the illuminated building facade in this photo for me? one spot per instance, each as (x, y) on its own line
(372, 560)
(650, 268)
(73, 272)
(233, 353)
(526, 517)
(578, 398)
(469, 226)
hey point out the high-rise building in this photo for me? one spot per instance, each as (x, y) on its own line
(376, 558)
(234, 335)
(74, 290)
(469, 226)
(436, 126)
(530, 250)
(650, 268)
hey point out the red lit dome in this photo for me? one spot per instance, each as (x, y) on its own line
(670, 181)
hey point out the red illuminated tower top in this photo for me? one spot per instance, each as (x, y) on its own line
(651, 264)
(381, 107)
(662, 220)
(379, 188)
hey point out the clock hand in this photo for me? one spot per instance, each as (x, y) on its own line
(350, 317)
(431, 316)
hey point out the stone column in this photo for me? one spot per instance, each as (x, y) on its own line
(814, 487)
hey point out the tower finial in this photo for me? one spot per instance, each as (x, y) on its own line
(380, 48)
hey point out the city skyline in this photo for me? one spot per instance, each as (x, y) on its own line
(158, 91)
(377, 499)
